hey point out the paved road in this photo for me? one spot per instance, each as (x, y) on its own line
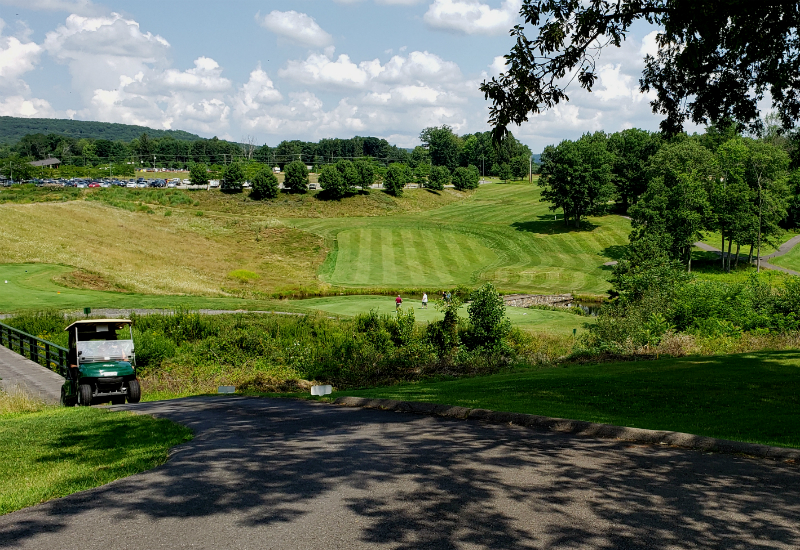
(16, 370)
(296, 475)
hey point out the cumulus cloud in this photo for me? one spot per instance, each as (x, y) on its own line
(296, 27)
(17, 57)
(322, 69)
(80, 7)
(20, 106)
(473, 16)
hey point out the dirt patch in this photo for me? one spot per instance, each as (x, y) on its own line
(85, 280)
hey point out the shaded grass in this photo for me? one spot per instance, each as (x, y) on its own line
(60, 451)
(752, 397)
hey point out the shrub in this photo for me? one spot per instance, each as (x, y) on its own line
(438, 177)
(395, 179)
(232, 178)
(488, 324)
(198, 174)
(296, 177)
(332, 181)
(465, 178)
(265, 185)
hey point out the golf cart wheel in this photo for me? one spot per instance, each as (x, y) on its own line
(85, 395)
(134, 391)
(65, 401)
(118, 400)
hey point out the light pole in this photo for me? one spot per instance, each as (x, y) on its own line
(154, 163)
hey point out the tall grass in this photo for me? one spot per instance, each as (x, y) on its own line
(17, 400)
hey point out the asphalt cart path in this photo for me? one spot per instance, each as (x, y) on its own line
(283, 474)
(19, 371)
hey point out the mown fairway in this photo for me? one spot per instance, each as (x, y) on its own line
(535, 320)
(168, 242)
(501, 233)
(751, 397)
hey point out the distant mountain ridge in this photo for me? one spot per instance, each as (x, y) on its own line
(14, 128)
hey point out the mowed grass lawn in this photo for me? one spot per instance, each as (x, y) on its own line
(790, 260)
(534, 320)
(60, 451)
(751, 397)
(32, 286)
(502, 233)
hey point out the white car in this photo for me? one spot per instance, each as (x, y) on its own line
(186, 181)
(130, 185)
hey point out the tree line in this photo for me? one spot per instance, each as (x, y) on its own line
(677, 190)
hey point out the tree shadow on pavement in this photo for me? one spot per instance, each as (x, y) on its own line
(364, 478)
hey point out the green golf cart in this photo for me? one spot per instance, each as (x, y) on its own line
(102, 365)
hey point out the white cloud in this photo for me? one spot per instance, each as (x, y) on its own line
(20, 106)
(472, 16)
(295, 26)
(80, 7)
(649, 44)
(416, 67)
(256, 95)
(16, 59)
(321, 69)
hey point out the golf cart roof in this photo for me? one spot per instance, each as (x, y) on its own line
(100, 322)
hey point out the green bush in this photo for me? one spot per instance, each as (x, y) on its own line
(439, 177)
(296, 177)
(232, 178)
(265, 185)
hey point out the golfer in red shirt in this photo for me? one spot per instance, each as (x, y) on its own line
(397, 302)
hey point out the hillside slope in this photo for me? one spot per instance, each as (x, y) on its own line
(14, 128)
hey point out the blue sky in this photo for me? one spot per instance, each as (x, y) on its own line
(301, 69)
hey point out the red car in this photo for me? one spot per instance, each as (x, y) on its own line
(94, 184)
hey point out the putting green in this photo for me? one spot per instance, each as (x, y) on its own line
(537, 320)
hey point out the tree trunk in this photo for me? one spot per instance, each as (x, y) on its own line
(689, 263)
(722, 251)
(736, 265)
(750, 256)
(730, 244)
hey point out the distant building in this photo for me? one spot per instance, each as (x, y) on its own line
(52, 162)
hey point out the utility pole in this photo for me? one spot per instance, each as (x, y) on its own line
(154, 163)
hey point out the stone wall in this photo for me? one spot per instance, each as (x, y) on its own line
(527, 300)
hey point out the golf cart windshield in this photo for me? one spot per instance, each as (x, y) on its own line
(105, 350)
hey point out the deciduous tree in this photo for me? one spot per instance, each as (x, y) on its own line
(716, 60)
(296, 177)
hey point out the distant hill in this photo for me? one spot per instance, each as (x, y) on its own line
(13, 128)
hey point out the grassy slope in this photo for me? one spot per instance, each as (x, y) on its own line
(553, 322)
(790, 260)
(501, 233)
(31, 286)
(58, 452)
(752, 397)
(157, 254)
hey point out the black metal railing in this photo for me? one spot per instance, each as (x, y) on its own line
(47, 354)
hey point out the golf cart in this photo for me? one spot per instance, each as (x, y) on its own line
(102, 366)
